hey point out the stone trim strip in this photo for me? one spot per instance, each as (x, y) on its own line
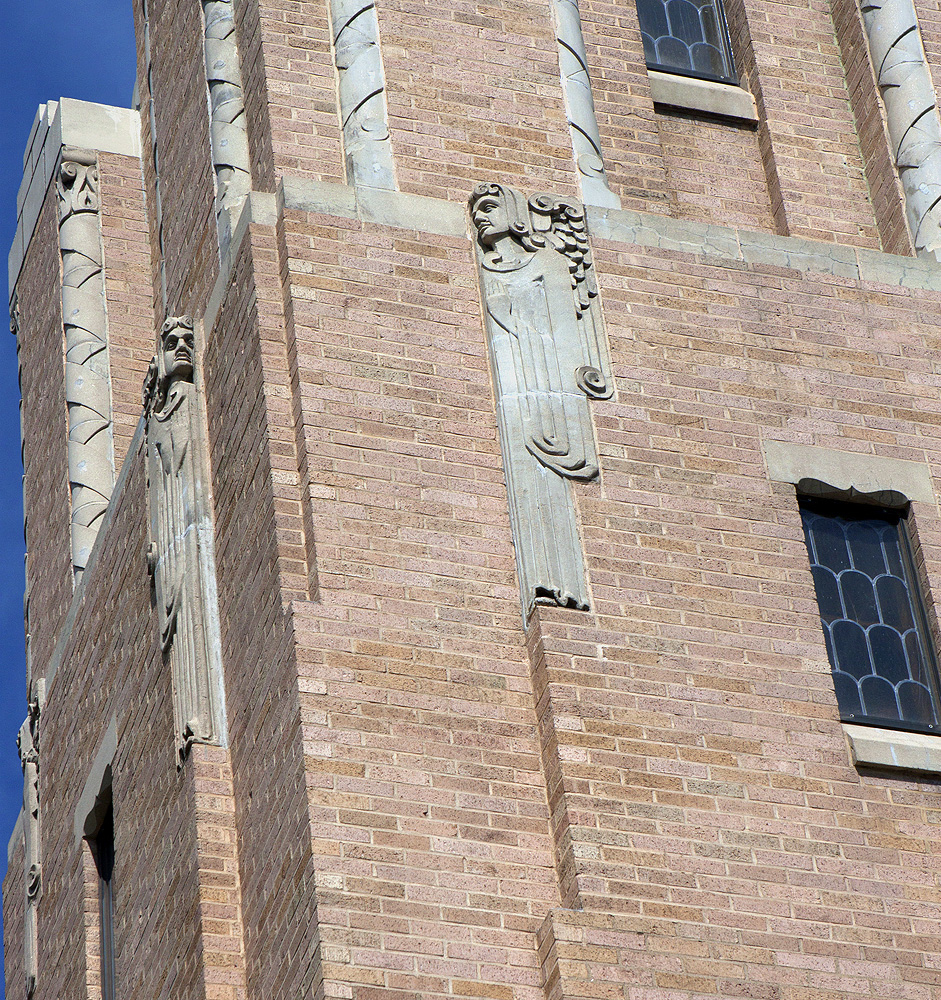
(64, 123)
(853, 473)
(580, 105)
(92, 803)
(689, 93)
(892, 748)
(790, 252)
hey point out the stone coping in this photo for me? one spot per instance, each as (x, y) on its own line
(691, 94)
(64, 123)
(894, 749)
(886, 481)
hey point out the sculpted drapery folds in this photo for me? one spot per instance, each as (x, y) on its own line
(87, 371)
(180, 556)
(550, 358)
(28, 743)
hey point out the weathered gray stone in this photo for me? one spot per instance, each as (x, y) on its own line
(87, 370)
(580, 105)
(911, 111)
(71, 123)
(702, 95)
(180, 555)
(798, 254)
(664, 233)
(28, 743)
(228, 134)
(888, 481)
(549, 356)
(362, 94)
(894, 749)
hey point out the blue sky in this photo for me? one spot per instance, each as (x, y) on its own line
(82, 49)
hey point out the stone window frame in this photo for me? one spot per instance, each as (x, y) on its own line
(889, 482)
(92, 811)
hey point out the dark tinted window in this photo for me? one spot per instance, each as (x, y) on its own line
(883, 666)
(688, 37)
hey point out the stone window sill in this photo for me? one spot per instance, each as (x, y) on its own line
(894, 749)
(688, 93)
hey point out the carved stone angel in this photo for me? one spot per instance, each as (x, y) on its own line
(178, 557)
(550, 357)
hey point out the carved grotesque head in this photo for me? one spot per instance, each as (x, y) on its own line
(173, 362)
(176, 343)
(498, 211)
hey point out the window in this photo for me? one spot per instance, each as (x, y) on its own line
(688, 37)
(103, 850)
(873, 621)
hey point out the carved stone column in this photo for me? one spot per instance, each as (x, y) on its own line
(28, 743)
(362, 85)
(580, 106)
(87, 371)
(911, 110)
(228, 131)
(180, 555)
(550, 358)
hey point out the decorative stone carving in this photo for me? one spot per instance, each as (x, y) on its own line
(228, 131)
(911, 111)
(87, 372)
(15, 314)
(580, 106)
(28, 743)
(550, 357)
(180, 554)
(362, 85)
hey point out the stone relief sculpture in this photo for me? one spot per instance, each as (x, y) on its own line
(911, 111)
(28, 743)
(550, 358)
(580, 106)
(180, 554)
(87, 372)
(362, 87)
(228, 131)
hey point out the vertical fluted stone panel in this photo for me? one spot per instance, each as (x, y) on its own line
(580, 106)
(87, 371)
(362, 85)
(549, 356)
(228, 134)
(911, 110)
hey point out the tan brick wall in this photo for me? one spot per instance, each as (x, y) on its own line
(14, 897)
(126, 242)
(258, 652)
(45, 428)
(186, 178)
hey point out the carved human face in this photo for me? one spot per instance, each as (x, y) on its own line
(490, 217)
(178, 353)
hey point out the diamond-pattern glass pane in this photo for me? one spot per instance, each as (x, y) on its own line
(883, 667)
(686, 36)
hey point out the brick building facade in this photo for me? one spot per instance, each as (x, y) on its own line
(472, 335)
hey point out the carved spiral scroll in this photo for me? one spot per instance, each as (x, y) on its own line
(228, 135)
(362, 85)
(583, 124)
(911, 110)
(87, 370)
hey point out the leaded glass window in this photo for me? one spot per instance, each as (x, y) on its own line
(884, 669)
(687, 37)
